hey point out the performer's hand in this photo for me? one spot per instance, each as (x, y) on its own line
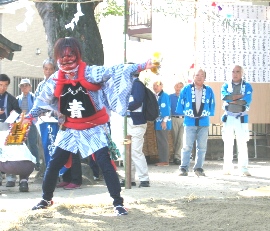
(150, 65)
(25, 121)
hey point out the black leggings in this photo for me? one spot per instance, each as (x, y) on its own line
(60, 157)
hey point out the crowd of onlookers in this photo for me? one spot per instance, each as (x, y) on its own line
(187, 113)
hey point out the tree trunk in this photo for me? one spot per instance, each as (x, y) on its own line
(56, 16)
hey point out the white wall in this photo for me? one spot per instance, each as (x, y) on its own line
(174, 38)
(25, 62)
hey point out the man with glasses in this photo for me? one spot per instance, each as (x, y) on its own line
(197, 103)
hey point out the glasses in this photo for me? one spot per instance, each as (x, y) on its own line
(25, 85)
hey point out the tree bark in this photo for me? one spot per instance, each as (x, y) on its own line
(56, 16)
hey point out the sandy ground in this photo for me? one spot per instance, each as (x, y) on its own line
(214, 202)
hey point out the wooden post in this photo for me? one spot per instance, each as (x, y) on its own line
(127, 143)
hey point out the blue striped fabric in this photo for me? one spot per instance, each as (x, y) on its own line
(86, 141)
(39, 87)
(116, 87)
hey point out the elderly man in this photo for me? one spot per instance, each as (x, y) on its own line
(26, 101)
(237, 96)
(48, 69)
(162, 124)
(197, 104)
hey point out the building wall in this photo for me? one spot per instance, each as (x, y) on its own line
(25, 63)
(176, 43)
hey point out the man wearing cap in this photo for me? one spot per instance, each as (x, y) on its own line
(26, 102)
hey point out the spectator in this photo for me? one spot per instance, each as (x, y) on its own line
(177, 124)
(162, 124)
(8, 103)
(21, 163)
(78, 87)
(197, 104)
(48, 69)
(26, 102)
(237, 96)
(136, 127)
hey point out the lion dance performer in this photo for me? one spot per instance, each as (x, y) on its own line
(76, 89)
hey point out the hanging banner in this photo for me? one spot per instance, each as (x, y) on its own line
(234, 35)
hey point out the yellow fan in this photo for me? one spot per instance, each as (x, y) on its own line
(156, 60)
(18, 133)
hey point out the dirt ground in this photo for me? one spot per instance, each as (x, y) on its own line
(214, 202)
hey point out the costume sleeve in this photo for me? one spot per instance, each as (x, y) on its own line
(100, 74)
(46, 99)
(117, 83)
(38, 89)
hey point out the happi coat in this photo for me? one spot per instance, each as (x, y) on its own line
(187, 106)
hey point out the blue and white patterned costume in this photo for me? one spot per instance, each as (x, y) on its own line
(116, 87)
(187, 106)
(40, 87)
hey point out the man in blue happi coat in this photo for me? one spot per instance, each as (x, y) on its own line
(197, 104)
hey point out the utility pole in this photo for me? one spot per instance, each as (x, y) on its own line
(127, 141)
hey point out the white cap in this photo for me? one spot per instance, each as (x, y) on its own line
(25, 81)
